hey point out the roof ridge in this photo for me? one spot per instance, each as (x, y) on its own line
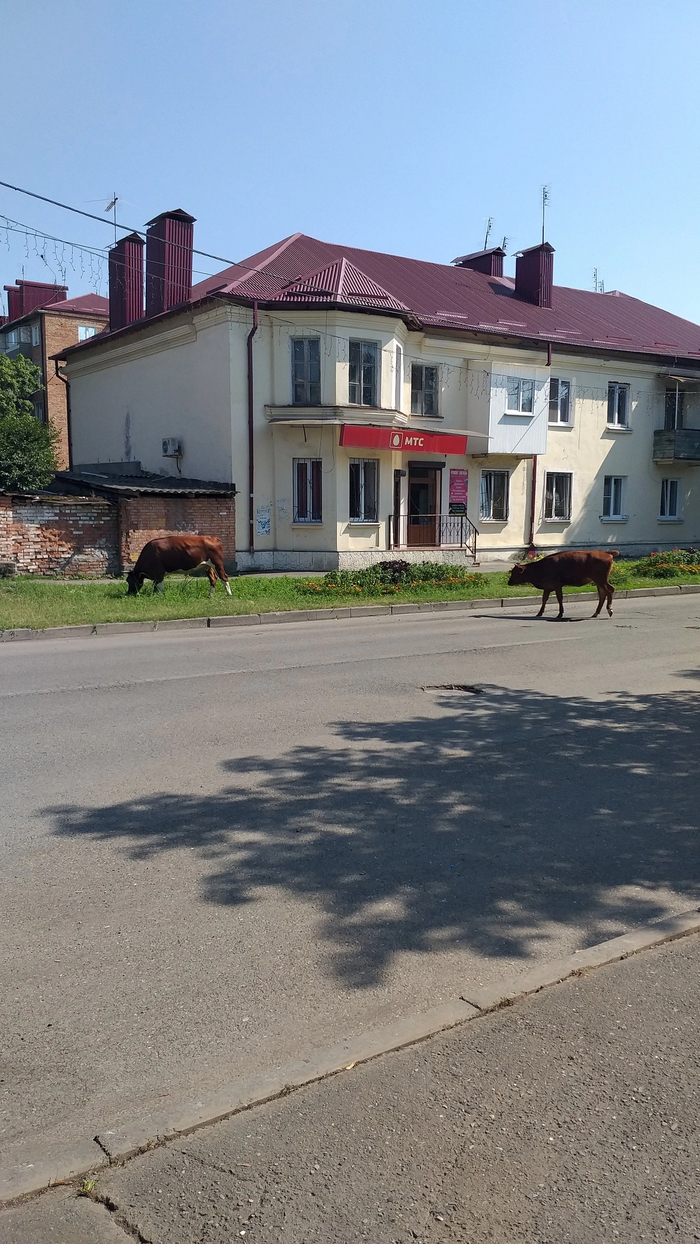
(250, 272)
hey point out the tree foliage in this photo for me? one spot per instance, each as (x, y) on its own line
(27, 446)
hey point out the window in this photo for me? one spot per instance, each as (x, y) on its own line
(307, 490)
(613, 488)
(521, 396)
(306, 371)
(669, 499)
(673, 409)
(364, 476)
(557, 495)
(398, 379)
(38, 408)
(559, 401)
(36, 334)
(493, 501)
(424, 390)
(85, 331)
(618, 405)
(364, 356)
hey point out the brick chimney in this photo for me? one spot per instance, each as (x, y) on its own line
(26, 296)
(534, 274)
(490, 261)
(126, 281)
(168, 261)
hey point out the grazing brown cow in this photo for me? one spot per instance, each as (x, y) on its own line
(570, 569)
(172, 553)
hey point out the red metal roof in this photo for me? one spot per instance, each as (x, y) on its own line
(443, 296)
(84, 304)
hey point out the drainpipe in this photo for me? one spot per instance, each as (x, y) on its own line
(69, 429)
(533, 501)
(251, 460)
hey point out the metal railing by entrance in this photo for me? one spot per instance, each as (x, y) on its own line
(432, 531)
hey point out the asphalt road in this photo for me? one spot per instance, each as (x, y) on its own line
(222, 849)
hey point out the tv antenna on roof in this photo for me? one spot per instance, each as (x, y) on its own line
(504, 243)
(112, 207)
(545, 205)
(487, 235)
(598, 285)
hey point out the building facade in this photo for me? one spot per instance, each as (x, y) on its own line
(377, 404)
(41, 322)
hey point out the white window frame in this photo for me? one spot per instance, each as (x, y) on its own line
(558, 422)
(615, 388)
(615, 486)
(376, 346)
(488, 518)
(363, 516)
(516, 389)
(664, 503)
(434, 414)
(36, 334)
(306, 503)
(86, 331)
(554, 517)
(306, 381)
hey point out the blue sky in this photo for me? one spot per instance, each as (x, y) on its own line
(399, 127)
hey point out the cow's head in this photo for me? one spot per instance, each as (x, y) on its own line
(135, 582)
(517, 575)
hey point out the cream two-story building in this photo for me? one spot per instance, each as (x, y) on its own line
(364, 403)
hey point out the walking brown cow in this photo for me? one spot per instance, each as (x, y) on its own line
(570, 569)
(169, 554)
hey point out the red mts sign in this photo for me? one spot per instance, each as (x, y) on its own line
(393, 438)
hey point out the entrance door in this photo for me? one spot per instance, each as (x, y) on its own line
(423, 505)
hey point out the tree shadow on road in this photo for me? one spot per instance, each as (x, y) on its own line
(510, 812)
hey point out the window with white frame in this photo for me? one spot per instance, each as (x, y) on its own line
(670, 496)
(493, 496)
(557, 495)
(38, 408)
(364, 490)
(398, 378)
(520, 399)
(618, 405)
(424, 390)
(36, 334)
(308, 473)
(85, 331)
(613, 496)
(306, 371)
(559, 401)
(364, 373)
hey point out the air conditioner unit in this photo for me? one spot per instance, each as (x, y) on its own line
(172, 447)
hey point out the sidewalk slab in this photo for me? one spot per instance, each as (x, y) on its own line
(60, 1217)
(571, 1117)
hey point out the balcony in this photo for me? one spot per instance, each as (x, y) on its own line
(677, 445)
(432, 531)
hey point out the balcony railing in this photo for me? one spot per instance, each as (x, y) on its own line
(432, 531)
(677, 445)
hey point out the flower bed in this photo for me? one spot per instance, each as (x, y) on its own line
(390, 578)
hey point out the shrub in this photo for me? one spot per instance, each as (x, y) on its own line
(391, 577)
(667, 564)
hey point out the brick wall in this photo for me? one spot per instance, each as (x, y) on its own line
(60, 331)
(59, 535)
(146, 518)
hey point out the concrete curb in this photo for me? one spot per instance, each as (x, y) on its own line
(118, 1143)
(315, 615)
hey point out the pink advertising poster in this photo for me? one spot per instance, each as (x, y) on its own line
(458, 491)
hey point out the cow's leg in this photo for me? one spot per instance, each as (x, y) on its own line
(545, 597)
(212, 579)
(602, 597)
(560, 598)
(159, 586)
(611, 591)
(219, 567)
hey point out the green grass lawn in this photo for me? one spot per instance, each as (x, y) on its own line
(38, 603)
